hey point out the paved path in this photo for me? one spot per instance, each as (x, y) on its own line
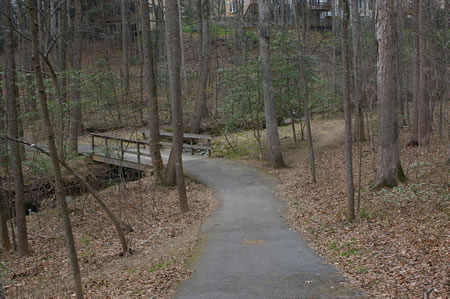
(246, 249)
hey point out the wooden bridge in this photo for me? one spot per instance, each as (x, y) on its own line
(135, 154)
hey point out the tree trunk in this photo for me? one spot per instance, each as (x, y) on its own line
(62, 68)
(201, 102)
(59, 187)
(4, 236)
(424, 111)
(275, 158)
(125, 38)
(75, 111)
(414, 137)
(13, 131)
(401, 75)
(173, 61)
(150, 93)
(357, 86)
(389, 169)
(347, 111)
(302, 51)
(3, 131)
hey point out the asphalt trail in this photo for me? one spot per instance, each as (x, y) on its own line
(246, 249)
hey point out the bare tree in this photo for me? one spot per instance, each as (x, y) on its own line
(414, 136)
(423, 100)
(13, 129)
(125, 55)
(347, 110)
(389, 168)
(75, 110)
(201, 101)
(150, 92)
(357, 86)
(59, 187)
(275, 158)
(173, 61)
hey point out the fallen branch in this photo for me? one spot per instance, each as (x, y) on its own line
(117, 224)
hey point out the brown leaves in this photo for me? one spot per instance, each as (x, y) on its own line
(161, 239)
(398, 247)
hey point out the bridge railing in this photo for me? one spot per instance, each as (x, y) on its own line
(115, 148)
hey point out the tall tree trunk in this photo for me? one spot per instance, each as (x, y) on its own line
(62, 68)
(401, 75)
(173, 61)
(424, 111)
(275, 158)
(347, 111)
(302, 51)
(389, 169)
(75, 110)
(414, 137)
(183, 62)
(13, 130)
(150, 92)
(201, 101)
(335, 46)
(125, 38)
(357, 86)
(4, 236)
(59, 187)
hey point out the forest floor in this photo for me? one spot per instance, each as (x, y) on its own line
(161, 239)
(398, 245)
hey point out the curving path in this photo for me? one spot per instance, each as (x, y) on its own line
(246, 249)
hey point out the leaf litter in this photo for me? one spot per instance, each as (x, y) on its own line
(160, 236)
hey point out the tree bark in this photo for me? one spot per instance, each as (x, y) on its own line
(59, 187)
(4, 236)
(414, 137)
(125, 37)
(275, 157)
(75, 111)
(173, 61)
(347, 111)
(13, 130)
(150, 93)
(357, 86)
(424, 111)
(201, 101)
(389, 169)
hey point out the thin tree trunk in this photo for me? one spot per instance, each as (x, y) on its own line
(13, 130)
(414, 137)
(183, 62)
(357, 86)
(59, 187)
(347, 111)
(173, 61)
(201, 102)
(401, 92)
(275, 157)
(75, 111)
(423, 98)
(304, 79)
(150, 93)
(389, 169)
(125, 55)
